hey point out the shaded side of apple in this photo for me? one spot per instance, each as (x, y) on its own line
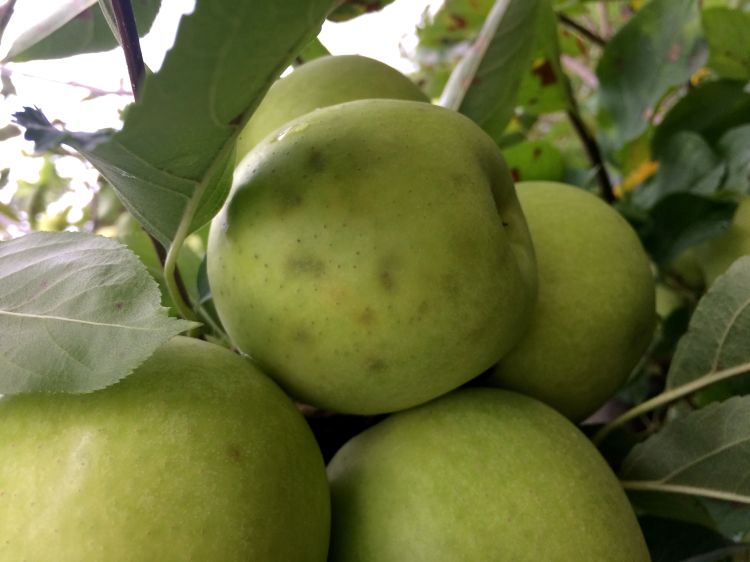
(195, 456)
(595, 311)
(320, 83)
(374, 257)
(479, 474)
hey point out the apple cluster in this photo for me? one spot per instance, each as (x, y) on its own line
(373, 257)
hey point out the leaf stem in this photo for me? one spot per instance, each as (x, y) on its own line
(93, 91)
(656, 486)
(183, 229)
(170, 263)
(592, 149)
(670, 396)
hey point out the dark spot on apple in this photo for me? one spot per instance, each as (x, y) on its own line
(289, 199)
(316, 160)
(367, 317)
(119, 305)
(306, 265)
(537, 153)
(387, 281)
(234, 453)
(302, 336)
(376, 365)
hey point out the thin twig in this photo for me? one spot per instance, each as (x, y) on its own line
(93, 90)
(577, 67)
(593, 151)
(582, 30)
(606, 28)
(131, 45)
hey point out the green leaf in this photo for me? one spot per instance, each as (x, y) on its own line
(659, 48)
(687, 509)
(457, 21)
(728, 36)
(544, 88)
(485, 84)
(735, 147)
(313, 50)
(702, 453)
(534, 160)
(719, 330)
(732, 520)
(79, 312)
(76, 27)
(710, 110)
(686, 165)
(350, 9)
(681, 220)
(174, 155)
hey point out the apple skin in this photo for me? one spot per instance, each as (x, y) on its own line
(195, 456)
(595, 311)
(479, 474)
(320, 83)
(374, 257)
(716, 256)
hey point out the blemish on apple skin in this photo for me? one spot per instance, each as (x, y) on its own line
(376, 365)
(234, 453)
(302, 336)
(316, 160)
(367, 317)
(305, 265)
(387, 281)
(119, 305)
(288, 199)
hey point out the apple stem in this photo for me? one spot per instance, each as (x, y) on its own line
(670, 396)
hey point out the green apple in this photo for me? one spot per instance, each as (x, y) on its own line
(716, 256)
(687, 268)
(595, 311)
(479, 474)
(195, 456)
(374, 256)
(320, 83)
